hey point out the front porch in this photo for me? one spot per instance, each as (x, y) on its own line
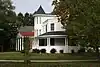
(50, 43)
(59, 42)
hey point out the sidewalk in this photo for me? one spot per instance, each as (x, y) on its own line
(47, 60)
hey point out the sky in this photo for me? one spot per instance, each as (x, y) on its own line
(32, 5)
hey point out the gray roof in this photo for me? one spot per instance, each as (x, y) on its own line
(55, 33)
(26, 29)
(40, 11)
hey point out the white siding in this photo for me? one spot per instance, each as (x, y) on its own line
(44, 20)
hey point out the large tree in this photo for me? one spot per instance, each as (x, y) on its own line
(81, 19)
(8, 28)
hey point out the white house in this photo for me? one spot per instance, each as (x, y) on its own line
(49, 34)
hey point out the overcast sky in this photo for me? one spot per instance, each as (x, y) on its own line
(32, 5)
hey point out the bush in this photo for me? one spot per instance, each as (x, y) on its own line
(23, 51)
(90, 50)
(53, 50)
(81, 50)
(72, 51)
(43, 50)
(36, 51)
(61, 51)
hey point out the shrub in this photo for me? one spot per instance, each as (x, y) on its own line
(53, 50)
(90, 50)
(36, 51)
(81, 50)
(23, 51)
(43, 50)
(61, 51)
(72, 51)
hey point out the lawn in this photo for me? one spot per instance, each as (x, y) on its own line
(35, 56)
(79, 64)
(11, 55)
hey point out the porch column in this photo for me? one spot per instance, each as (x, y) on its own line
(18, 43)
(48, 45)
(66, 45)
(66, 41)
(48, 41)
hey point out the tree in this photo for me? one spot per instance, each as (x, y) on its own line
(26, 49)
(7, 22)
(81, 19)
(26, 19)
(20, 19)
(31, 20)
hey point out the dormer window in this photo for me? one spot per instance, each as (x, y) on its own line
(52, 27)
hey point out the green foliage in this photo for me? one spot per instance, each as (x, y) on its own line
(81, 19)
(26, 19)
(81, 50)
(6, 12)
(53, 50)
(61, 51)
(6, 33)
(26, 45)
(8, 27)
(26, 50)
(43, 50)
(36, 51)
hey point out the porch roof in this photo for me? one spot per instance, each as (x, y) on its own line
(55, 34)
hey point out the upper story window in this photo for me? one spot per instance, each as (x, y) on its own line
(40, 20)
(37, 32)
(40, 31)
(37, 20)
(52, 27)
(46, 28)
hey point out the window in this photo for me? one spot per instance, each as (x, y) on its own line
(37, 20)
(37, 32)
(52, 27)
(40, 31)
(46, 28)
(40, 20)
(52, 41)
(42, 42)
(60, 41)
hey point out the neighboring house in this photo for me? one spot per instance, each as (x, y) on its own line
(26, 31)
(49, 34)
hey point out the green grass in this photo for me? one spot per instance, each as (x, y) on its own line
(79, 64)
(35, 56)
(82, 56)
(18, 55)
(11, 55)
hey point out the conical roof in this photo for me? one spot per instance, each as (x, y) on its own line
(40, 11)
